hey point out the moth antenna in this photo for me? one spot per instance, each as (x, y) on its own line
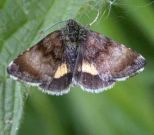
(96, 18)
(45, 30)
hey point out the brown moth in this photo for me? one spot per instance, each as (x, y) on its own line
(75, 55)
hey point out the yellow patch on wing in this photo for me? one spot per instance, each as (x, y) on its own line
(61, 71)
(88, 68)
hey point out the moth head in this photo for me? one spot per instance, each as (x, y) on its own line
(72, 24)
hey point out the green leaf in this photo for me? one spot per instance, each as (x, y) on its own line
(126, 109)
(11, 107)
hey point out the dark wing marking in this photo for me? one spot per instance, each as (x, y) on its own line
(91, 83)
(44, 65)
(106, 59)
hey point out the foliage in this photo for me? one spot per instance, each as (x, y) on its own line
(125, 109)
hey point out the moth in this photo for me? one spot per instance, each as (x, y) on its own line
(75, 55)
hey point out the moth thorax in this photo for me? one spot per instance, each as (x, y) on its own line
(70, 35)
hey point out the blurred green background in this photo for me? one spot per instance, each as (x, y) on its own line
(126, 109)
